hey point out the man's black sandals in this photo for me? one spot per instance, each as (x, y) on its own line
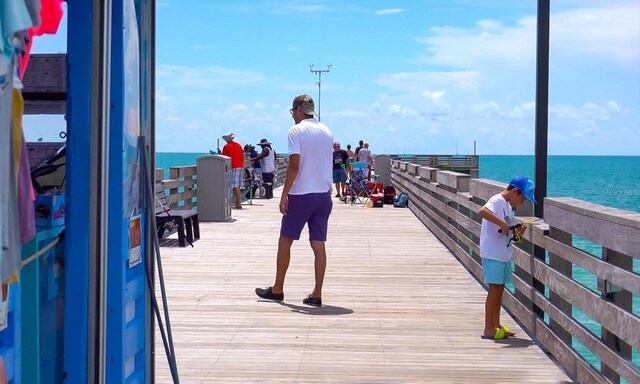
(269, 295)
(315, 301)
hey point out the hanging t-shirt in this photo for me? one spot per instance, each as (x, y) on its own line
(495, 245)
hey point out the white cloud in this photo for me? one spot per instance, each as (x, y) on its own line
(601, 112)
(402, 111)
(199, 47)
(486, 108)
(391, 11)
(611, 32)
(435, 96)
(238, 108)
(524, 110)
(418, 81)
(204, 78)
(348, 114)
(489, 44)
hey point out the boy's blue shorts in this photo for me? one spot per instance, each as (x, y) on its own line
(497, 272)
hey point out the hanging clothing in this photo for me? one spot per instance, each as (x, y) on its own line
(26, 196)
(17, 218)
(10, 260)
(49, 14)
(14, 17)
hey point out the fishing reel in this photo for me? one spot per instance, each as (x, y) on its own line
(515, 236)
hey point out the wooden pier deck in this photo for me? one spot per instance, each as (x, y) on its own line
(399, 308)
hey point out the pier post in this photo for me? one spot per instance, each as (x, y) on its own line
(623, 299)
(565, 267)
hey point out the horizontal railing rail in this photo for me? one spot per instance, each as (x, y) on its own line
(441, 161)
(182, 184)
(447, 203)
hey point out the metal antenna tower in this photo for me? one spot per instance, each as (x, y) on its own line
(319, 72)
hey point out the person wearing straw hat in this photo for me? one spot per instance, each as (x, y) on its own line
(235, 151)
(267, 163)
(306, 197)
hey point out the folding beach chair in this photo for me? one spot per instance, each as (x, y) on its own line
(359, 187)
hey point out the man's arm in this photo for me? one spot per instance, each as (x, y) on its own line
(262, 155)
(292, 173)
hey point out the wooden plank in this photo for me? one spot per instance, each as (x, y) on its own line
(588, 339)
(617, 320)
(443, 208)
(597, 211)
(399, 307)
(567, 355)
(456, 180)
(612, 228)
(427, 173)
(621, 277)
(183, 171)
(159, 174)
(485, 188)
(431, 216)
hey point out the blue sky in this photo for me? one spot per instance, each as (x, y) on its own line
(406, 76)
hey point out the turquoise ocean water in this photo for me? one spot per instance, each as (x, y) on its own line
(613, 181)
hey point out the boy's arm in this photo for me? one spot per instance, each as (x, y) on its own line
(486, 214)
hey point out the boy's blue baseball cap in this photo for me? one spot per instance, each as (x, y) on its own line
(525, 186)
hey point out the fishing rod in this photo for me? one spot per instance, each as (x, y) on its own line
(167, 338)
(515, 236)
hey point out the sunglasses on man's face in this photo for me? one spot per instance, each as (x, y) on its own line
(293, 109)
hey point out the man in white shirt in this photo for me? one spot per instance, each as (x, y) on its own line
(306, 197)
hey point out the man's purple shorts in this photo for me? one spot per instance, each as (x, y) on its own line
(312, 208)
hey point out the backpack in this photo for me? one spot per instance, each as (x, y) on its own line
(402, 201)
(389, 193)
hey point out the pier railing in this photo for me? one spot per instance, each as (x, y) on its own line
(469, 164)
(182, 184)
(447, 203)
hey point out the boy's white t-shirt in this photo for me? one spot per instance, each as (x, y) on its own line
(313, 141)
(494, 245)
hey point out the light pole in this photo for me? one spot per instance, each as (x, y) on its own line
(319, 72)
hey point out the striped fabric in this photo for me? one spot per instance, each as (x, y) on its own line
(236, 179)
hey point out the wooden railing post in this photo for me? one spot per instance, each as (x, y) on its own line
(623, 299)
(525, 210)
(565, 267)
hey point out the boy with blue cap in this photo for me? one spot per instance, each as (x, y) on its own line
(496, 250)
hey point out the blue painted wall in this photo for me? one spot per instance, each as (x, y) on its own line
(126, 295)
(80, 64)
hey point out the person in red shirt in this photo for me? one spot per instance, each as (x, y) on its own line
(235, 151)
